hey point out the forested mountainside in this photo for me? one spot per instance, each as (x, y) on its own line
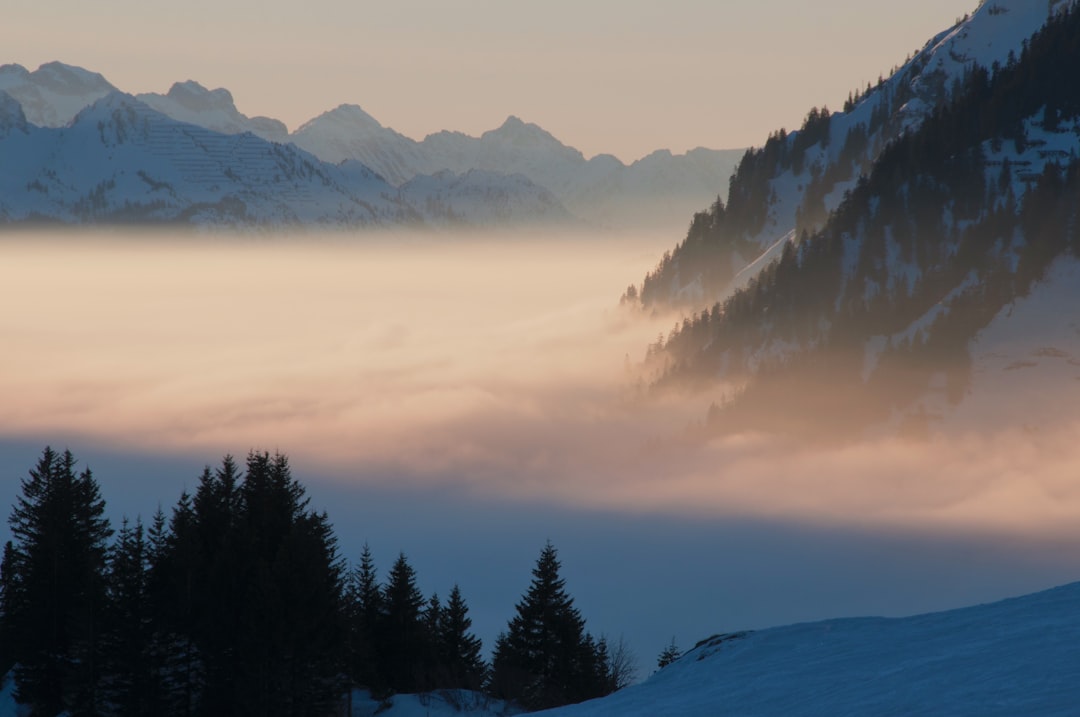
(955, 219)
(793, 182)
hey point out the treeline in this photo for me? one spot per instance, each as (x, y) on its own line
(937, 230)
(821, 160)
(239, 603)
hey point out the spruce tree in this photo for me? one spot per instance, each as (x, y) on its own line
(669, 655)
(546, 659)
(8, 589)
(459, 649)
(363, 609)
(54, 588)
(134, 662)
(401, 636)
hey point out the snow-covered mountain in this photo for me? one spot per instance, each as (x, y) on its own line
(54, 93)
(478, 198)
(348, 132)
(797, 179)
(657, 191)
(862, 311)
(119, 160)
(1014, 657)
(214, 109)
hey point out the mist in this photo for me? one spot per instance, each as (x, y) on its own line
(452, 396)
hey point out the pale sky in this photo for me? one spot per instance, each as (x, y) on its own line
(618, 76)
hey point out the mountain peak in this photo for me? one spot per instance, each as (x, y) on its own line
(14, 71)
(346, 115)
(69, 79)
(518, 132)
(194, 96)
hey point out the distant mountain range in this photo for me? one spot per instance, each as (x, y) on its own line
(363, 173)
(859, 264)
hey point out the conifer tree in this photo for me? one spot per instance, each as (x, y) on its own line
(459, 649)
(54, 587)
(363, 610)
(402, 638)
(546, 659)
(132, 656)
(669, 655)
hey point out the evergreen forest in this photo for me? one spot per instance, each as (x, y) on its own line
(240, 602)
(943, 230)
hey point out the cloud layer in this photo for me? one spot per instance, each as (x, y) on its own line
(499, 368)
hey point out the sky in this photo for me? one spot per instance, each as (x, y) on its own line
(623, 77)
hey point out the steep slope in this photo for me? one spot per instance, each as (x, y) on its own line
(54, 93)
(1013, 657)
(121, 161)
(213, 109)
(954, 221)
(655, 192)
(349, 133)
(796, 179)
(478, 198)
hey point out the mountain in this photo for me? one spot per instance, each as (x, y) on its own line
(796, 179)
(958, 218)
(54, 93)
(120, 161)
(656, 191)
(348, 132)
(477, 198)
(214, 109)
(1008, 658)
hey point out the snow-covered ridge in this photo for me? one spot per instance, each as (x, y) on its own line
(803, 194)
(660, 190)
(1014, 657)
(120, 160)
(214, 109)
(54, 93)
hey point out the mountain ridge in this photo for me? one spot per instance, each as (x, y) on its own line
(121, 161)
(654, 192)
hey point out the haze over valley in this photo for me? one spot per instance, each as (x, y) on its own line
(833, 375)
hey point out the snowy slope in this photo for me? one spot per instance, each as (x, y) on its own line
(445, 703)
(659, 190)
(121, 161)
(899, 104)
(348, 132)
(213, 109)
(1025, 364)
(1015, 657)
(54, 93)
(480, 198)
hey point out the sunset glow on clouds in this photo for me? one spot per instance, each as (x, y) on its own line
(499, 368)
